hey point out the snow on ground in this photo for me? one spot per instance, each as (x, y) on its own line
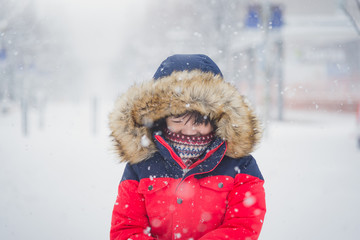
(60, 182)
(311, 166)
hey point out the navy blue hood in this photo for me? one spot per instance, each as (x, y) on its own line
(186, 62)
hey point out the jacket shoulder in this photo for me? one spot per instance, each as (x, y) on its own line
(248, 165)
(243, 165)
(153, 167)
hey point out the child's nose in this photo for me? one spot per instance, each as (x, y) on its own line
(189, 129)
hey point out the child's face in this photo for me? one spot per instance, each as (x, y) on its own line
(186, 125)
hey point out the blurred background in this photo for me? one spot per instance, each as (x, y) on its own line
(64, 62)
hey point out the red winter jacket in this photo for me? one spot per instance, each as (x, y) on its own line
(221, 196)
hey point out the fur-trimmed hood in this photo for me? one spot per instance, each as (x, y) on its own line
(188, 90)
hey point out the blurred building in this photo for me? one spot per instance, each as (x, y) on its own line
(323, 51)
(282, 54)
(310, 62)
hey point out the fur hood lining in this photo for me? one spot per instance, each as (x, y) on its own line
(143, 104)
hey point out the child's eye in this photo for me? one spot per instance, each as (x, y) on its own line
(176, 121)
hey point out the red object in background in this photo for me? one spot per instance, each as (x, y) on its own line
(358, 123)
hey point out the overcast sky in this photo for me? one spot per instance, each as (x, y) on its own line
(94, 27)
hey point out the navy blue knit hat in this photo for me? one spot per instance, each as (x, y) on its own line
(186, 62)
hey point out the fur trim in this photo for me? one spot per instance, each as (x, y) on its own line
(143, 104)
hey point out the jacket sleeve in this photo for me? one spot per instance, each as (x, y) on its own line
(129, 218)
(246, 208)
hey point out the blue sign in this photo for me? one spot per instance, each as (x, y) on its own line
(253, 19)
(2, 54)
(276, 20)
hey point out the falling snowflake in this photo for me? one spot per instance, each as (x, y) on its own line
(156, 222)
(147, 230)
(206, 216)
(147, 122)
(249, 200)
(145, 142)
(178, 90)
(257, 212)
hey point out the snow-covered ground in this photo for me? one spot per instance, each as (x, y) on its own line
(311, 165)
(60, 182)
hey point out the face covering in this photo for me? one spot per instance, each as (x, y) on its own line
(189, 148)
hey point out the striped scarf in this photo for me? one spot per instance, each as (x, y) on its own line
(189, 148)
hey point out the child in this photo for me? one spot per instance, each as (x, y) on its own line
(186, 136)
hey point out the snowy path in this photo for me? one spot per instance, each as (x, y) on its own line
(60, 183)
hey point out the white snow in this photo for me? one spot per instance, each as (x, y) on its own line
(178, 90)
(310, 164)
(248, 201)
(145, 141)
(61, 182)
(58, 183)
